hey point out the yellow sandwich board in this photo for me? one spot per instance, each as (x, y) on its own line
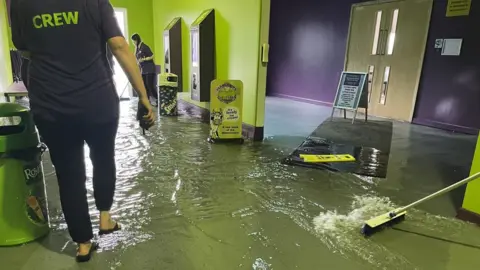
(226, 102)
(326, 158)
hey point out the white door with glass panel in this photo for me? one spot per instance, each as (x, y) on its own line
(387, 40)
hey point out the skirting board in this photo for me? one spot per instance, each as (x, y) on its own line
(249, 132)
(445, 126)
(466, 215)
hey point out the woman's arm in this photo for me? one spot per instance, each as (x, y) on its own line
(146, 59)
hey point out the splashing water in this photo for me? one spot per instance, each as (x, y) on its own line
(341, 233)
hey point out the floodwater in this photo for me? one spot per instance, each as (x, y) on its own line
(186, 204)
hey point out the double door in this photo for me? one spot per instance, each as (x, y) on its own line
(387, 40)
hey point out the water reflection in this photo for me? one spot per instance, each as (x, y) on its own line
(186, 204)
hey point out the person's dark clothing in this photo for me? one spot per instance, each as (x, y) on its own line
(149, 80)
(65, 141)
(72, 96)
(143, 51)
(25, 64)
(110, 59)
(69, 71)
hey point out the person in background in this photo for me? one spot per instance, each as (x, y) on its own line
(145, 59)
(73, 100)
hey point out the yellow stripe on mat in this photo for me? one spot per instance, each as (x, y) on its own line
(326, 158)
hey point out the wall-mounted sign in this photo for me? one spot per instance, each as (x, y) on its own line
(438, 43)
(452, 46)
(458, 8)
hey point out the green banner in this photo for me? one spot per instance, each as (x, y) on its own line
(226, 110)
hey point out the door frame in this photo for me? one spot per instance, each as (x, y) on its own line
(124, 11)
(125, 22)
(264, 25)
(424, 50)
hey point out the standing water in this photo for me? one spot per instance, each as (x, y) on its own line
(186, 204)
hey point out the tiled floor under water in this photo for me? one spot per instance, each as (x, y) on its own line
(186, 204)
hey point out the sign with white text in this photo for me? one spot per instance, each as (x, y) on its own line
(350, 90)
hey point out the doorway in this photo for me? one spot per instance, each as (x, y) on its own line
(388, 40)
(122, 84)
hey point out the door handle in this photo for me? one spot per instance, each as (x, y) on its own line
(265, 52)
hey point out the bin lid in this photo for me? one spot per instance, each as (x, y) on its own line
(168, 79)
(16, 136)
(12, 109)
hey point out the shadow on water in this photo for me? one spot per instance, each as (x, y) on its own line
(440, 239)
(439, 155)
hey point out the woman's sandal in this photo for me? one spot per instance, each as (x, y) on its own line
(109, 231)
(87, 257)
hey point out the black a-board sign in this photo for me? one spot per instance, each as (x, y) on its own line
(352, 94)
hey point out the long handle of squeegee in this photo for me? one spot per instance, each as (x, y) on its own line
(120, 49)
(436, 194)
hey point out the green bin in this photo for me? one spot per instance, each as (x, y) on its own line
(23, 204)
(167, 94)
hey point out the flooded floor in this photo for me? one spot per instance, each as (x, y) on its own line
(185, 204)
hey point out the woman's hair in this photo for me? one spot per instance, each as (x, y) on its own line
(136, 37)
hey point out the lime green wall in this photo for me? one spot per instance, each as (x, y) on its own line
(471, 201)
(5, 66)
(10, 42)
(237, 41)
(140, 18)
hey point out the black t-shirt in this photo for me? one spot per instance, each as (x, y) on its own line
(143, 51)
(110, 59)
(70, 78)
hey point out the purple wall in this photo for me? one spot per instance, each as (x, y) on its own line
(449, 93)
(308, 41)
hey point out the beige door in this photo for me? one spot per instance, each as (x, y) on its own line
(387, 40)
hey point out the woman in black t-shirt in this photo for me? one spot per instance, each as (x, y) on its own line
(145, 60)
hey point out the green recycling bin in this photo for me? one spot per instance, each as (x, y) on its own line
(167, 94)
(23, 203)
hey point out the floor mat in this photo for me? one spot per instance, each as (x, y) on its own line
(369, 142)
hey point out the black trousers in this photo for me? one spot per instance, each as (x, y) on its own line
(150, 84)
(65, 141)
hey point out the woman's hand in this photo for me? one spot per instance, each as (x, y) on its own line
(150, 116)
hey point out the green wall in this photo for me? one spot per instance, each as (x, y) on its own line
(5, 66)
(237, 41)
(471, 200)
(140, 18)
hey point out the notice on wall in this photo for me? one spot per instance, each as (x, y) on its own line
(458, 8)
(452, 46)
(226, 110)
(350, 90)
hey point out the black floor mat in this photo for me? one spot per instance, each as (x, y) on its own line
(369, 142)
